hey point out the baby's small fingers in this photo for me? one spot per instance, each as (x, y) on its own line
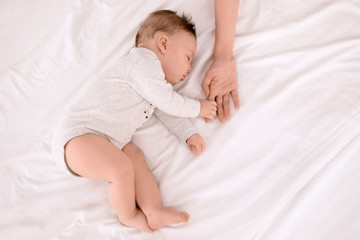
(211, 116)
(196, 150)
(193, 148)
(202, 147)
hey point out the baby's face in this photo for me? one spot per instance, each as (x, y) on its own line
(180, 49)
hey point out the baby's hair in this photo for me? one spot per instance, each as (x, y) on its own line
(166, 21)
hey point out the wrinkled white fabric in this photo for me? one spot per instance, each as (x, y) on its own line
(286, 166)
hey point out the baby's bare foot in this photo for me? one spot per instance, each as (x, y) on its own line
(139, 221)
(166, 216)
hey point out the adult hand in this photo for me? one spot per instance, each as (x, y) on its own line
(220, 82)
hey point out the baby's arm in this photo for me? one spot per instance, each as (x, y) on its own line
(196, 143)
(148, 80)
(181, 127)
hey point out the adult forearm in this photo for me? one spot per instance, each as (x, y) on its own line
(226, 12)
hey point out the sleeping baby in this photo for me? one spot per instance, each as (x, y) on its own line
(93, 138)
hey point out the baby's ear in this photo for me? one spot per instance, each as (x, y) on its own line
(162, 43)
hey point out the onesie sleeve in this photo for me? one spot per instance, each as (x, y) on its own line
(147, 79)
(181, 127)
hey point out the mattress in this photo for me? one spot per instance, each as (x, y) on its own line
(285, 166)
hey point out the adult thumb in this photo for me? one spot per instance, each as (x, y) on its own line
(206, 84)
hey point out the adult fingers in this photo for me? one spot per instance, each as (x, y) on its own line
(206, 84)
(211, 97)
(235, 97)
(220, 110)
(226, 106)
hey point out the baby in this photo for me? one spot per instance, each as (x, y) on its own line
(93, 138)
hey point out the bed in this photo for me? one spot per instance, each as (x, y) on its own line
(285, 166)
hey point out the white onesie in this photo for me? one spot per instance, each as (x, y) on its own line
(122, 100)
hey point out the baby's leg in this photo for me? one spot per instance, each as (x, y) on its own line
(148, 194)
(95, 157)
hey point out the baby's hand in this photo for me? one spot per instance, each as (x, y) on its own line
(208, 109)
(196, 143)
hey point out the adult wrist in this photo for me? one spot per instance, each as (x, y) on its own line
(223, 54)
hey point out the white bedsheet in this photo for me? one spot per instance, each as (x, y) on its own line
(286, 166)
